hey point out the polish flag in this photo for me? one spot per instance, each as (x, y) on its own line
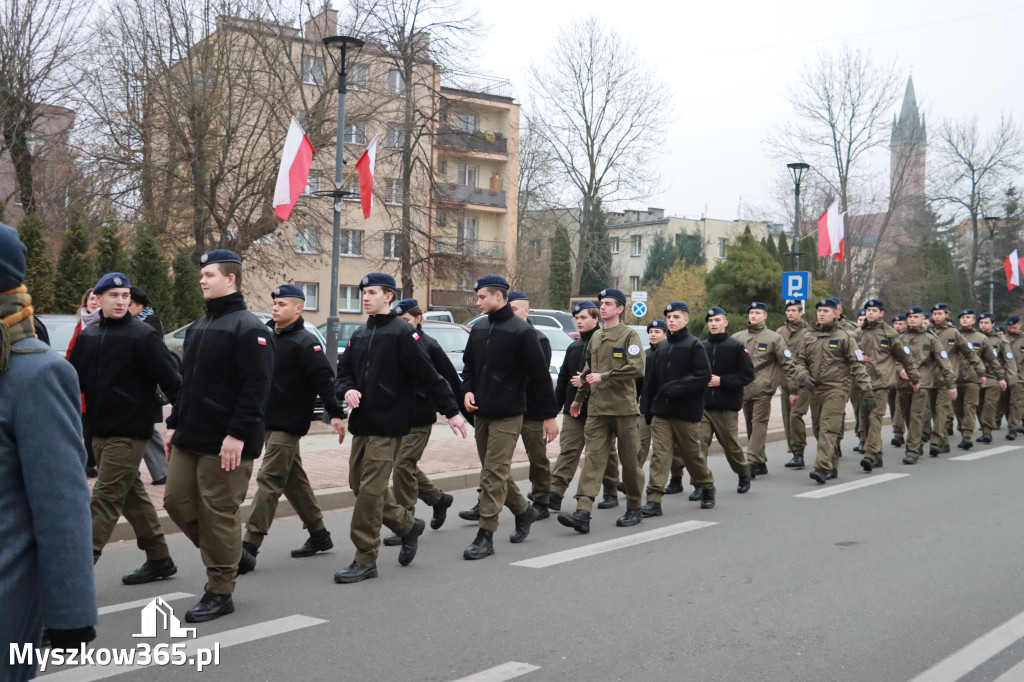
(294, 172)
(831, 233)
(365, 166)
(1011, 264)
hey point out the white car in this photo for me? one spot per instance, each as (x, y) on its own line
(560, 341)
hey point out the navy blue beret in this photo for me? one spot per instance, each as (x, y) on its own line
(220, 256)
(580, 306)
(516, 295)
(835, 301)
(966, 311)
(111, 280)
(862, 313)
(999, 328)
(717, 311)
(12, 258)
(899, 317)
(940, 306)
(986, 316)
(405, 305)
(1013, 319)
(492, 281)
(288, 291)
(928, 316)
(875, 303)
(755, 305)
(612, 293)
(826, 303)
(791, 302)
(378, 279)
(677, 306)
(657, 324)
(915, 310)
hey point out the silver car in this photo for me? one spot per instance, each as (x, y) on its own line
(560, 342)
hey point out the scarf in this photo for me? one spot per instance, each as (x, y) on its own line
(16, 315)
(144, 313)
(89, 319)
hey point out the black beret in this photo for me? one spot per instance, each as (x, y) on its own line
(940, 306)
(966, 311)
(220, 256)
(999, 328)
(288, 291)
(378, 279)
(791, 302)
(1012, 319)
(915, 310)
(613, 293)
(835, 301)
(657, 324)
(825, 303)
(755, 305)
(875, 303)
(405, 305)
(899, 317)
(986, 316)
(517, 295)
(862, 313)
(491, 281)
(677, 306)
(111, 280)
(580, 306)
(718, 311)
(139, 295)
(12, 258)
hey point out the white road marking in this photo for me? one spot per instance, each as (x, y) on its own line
(129, 605)
(1014, 674)
(500, 673)
(984, 453)
(225, 639)
(961, 662)
(611, 545)
(830, 490)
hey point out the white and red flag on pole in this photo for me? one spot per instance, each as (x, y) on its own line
(294, 172)
(1011, 264)
(831, 233)
(364, 166)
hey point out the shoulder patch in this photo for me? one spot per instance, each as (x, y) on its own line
(860, 354)
(788, 353)
(762, 347)
(970, 346)
(944, 354)
(746, 351)
(906, 349)
(1009, 355)
(951, 342)
(415, 336)
(885, 343)
(995, 352)
(833, 344)
(261, 340)
(634, 349)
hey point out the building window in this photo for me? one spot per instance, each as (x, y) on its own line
(637, 245)
(391, 245)
(465, 239)
(312, 184)
(356, 77)
(634, 283)
(355, 133)
(468, 123)
(351, 242)
(396, 82)
(34, 142)
(442, 167)
(349, 299)
(467, 175)
(312, 291)
(615, 244)
(396, 137)
(393, 191)
(306, 240)
(536, 249)
(352, 187)
(312, 71)
(721, 247)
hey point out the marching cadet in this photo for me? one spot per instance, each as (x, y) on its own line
(881, 348)
(773, 365)
(120, 363)
(793, 333)
(969, 384)
(533, 423)
(378, 375)
(731, 371)
(571, 438)
(828, 363)
(408, 481)
(899, 324)
(678, 384)
(936, 374)
(614, 360)
(216, 427)
(959, 351)
(502, 353)
(657, 331)
(1015, 402)
(996, 372)
(301, 372)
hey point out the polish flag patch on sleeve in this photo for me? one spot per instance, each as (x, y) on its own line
(261, 340)
(318, 348)
(415, 336)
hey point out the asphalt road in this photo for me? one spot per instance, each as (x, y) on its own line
(880, 582)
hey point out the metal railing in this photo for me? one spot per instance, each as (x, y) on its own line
(468, 248)
(476, 141)
(464, 194)
(477, 82)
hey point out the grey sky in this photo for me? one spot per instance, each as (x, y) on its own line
(729, 64)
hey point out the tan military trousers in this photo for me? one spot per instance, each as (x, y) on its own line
(280, 473)
(537, 453)
(571, 443)
(990, 396)
(793, 421)
(370, 465)
(407, 481)
(599, 433)
(495, 443)
(872, 422)
(669, 436)
(724, 425)
(829, 410)
(757, 411)
(965, 407)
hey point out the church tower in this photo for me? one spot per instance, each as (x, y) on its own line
(907, 147)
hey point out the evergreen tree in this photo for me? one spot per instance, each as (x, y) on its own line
(749, 273)
(147, 268)
(76, 267)
(188, 297)
(597, 268)
(40, 269)
(682, 282)
(664, 253)
(560, 278)
(769, 245)
(781, 250)
(110, 251)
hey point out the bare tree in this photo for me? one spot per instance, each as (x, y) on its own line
(603, 113)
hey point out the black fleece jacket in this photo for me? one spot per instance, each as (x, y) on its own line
(680, 377)
(427, 409)
(119, 365)
(730, 361)
(227, 369)
(575, 357)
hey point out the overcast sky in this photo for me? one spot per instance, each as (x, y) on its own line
(728, 65)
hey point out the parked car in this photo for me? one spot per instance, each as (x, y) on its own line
(452, 338)
(546, 318)
(560, 341)
(439, 316)
(641, 329)
(60, 328)
(345, 331)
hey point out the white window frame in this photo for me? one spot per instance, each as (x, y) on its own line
(357, 77)
(393, 191)
(396, 82)
(349, 295)
(615, 244)
(442, 167)
(312, 185)
(722, 242)
(355, 133)
(312, 70)
(467, 172)
(638, 245)
(391, 246)
(466, 235)
(312, 292)
(395, 138)
(351, 243)
(634, 283)
(307, 240)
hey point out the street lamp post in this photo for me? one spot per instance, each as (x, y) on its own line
(990, 222)
(343, 44)
(797, 170)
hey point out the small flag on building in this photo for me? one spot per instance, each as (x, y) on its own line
(831, 233)
(294, 172)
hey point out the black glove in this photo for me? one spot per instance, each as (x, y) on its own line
(868, 402)
(648, 417)
(70, 639)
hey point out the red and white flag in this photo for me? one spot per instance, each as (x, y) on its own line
(1011, 264)
(831, 233)
(365, 166)
(294, 172)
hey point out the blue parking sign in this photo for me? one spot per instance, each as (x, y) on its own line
(796, 285)
(639, 308)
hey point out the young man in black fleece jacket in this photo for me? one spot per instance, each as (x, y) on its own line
(731, 370)
(383, 364)
(215, 430)
(502, 352)
(301, 372)
(120, 362)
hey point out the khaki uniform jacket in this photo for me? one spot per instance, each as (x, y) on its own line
(1016, 342)
(932, 360)
(988, 348)
(793, 334)
(959, 350)
(830, 356)
(772, 360)
(1010, 357)
(618, 356)
(882, 349)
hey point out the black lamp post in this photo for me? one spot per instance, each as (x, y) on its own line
(990, 222)
(797, 170)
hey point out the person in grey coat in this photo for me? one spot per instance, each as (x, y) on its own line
(46, 575)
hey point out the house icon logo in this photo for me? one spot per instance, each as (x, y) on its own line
(158, 616)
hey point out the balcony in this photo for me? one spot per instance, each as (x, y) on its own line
(488, 143)
(464, 194)
(468, 248)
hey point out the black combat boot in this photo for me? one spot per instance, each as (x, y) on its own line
(543, 511)
(248, 560)
(608, 502)
(630, 518)
(744, 484)
(523, 523)
(481, 547)
(675, 485)
(579, 520)
(555, 502)
(392, 540)
(897, 442)
(867, 463)
(909, 460)
(985, 438)
(695, 495)
(819, 475)
(965, 444)
(707, 498)
(1011, 435)
(150, 571)
(797, 462)
(441, 511)
(209, 607)
(410, 542)
(355, 573)
(651, 509)
(318, 541)
(471, 514)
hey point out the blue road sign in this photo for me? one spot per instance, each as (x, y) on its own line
(639, 308)
(796, 285)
